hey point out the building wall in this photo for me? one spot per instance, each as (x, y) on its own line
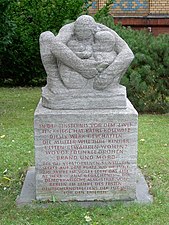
(152, 15)
(134, 7)
(94, 8)
(159, 7)
(101, 3)
(130, 8)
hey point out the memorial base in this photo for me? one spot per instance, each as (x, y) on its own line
(28, 193)
(86, 155)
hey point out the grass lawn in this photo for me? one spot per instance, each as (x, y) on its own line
(17, 153)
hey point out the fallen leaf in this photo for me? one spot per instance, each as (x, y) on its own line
(5, 171)
(2, 136)
(142, 140)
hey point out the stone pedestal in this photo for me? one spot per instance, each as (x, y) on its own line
(87, 98)
(86, 155)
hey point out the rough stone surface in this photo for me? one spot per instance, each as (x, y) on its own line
(115, 97)
(84, 63)
(86, 155)
(27, 196)
(28, 193)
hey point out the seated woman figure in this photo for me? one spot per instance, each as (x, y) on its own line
(92, 59)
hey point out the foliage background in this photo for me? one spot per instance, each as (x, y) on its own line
(22, 21)
(147, 79)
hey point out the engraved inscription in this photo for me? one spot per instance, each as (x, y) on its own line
(89, 158)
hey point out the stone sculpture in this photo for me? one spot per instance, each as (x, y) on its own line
(85, 127)
(84, 58)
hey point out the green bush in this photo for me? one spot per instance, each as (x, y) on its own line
(21, 63)
(7, 31)
(7, 26)
(147, 79)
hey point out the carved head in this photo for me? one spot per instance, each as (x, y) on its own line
(104, 41)
(84, 27)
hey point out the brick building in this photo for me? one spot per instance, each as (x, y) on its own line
(152, 15)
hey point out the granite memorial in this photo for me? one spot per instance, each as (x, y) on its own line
(85, 127)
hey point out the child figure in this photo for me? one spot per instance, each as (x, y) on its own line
(104, 49)
(105, 54)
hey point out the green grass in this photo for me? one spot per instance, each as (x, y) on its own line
(17, 153)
